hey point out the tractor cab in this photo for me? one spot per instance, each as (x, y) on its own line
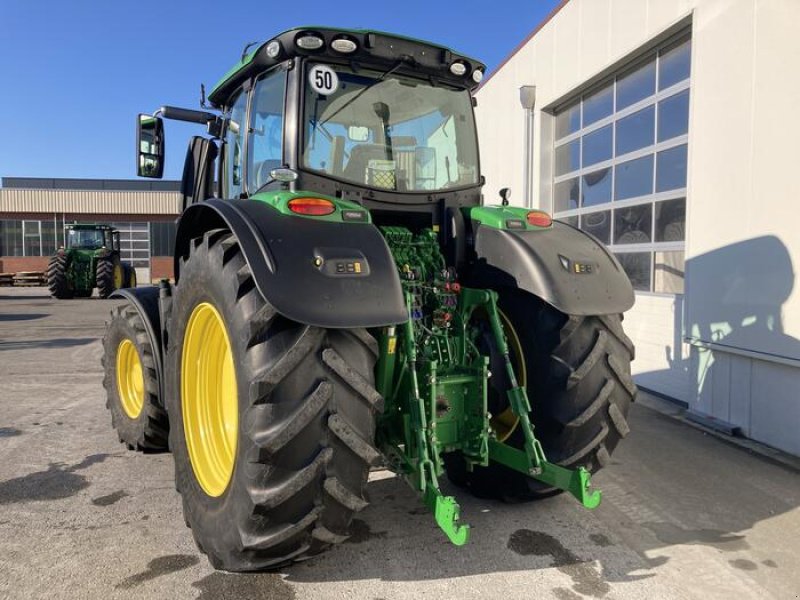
(378, 119)
(91, 237)
(387, 133)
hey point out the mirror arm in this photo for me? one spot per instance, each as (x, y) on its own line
(185, 114)
(212, 121)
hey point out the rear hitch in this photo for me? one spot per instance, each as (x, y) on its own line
(575, 481)
(532, 461)
(433, 372)
(447, 513)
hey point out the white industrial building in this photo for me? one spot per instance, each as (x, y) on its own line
(666, 128)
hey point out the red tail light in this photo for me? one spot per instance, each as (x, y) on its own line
(539, 219)
(315, 207)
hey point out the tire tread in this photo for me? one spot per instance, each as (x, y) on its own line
(307, 420)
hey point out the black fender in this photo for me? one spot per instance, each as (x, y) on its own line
(567, 268)
(146, 302)
(281, 251)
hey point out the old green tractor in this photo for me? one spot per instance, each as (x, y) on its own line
(344, 299)
(89, 259)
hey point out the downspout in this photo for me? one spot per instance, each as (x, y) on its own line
(527, 98)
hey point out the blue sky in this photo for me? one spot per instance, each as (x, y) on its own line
(75, 73)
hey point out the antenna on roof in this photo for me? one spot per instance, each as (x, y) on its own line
(203, 96)
(246, 48)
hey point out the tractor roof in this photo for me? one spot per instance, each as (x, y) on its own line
(372, 48)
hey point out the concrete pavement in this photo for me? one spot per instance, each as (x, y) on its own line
(684, 515)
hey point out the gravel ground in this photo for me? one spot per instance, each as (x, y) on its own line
(684, 515)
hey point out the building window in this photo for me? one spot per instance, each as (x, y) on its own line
(620, 158)
(11, 238)
(32, 236)
(134, 243)
(138, 241)
(52, 236)
(162, 238)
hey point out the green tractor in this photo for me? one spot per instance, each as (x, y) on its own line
(89, 259)
(345, 300)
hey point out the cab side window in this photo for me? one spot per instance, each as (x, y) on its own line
(266, 129)
(234, 149)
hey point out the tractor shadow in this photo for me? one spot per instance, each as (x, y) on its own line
(650, 510)
(5, 318)
(45, 344)
(732, 321)
(23, 297)
(396, 539)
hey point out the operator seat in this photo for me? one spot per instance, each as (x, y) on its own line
(356, 169)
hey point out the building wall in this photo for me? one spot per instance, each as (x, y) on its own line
(132, 205)
(89, 201)
(161, 267)
(729, 347)
(18, 264)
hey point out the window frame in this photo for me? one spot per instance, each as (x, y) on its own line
(251, 92)
(653, 247)
(37, 237)
(244, 90)
(375, 192)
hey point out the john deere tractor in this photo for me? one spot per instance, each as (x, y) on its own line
(89, 259)
(344, 299)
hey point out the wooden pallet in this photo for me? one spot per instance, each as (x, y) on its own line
(30, 278)
(6, 279)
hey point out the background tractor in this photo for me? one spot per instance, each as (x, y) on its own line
(344, 299)
(89, 259)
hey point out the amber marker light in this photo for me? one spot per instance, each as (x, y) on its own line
(312, 207)
(539, 219)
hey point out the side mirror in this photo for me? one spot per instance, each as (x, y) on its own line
(149, 146)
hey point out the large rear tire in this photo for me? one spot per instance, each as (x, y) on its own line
(130, 277)
(57, 280)
(132, 391)
(272, 451)
(580, 388)
(109, 275)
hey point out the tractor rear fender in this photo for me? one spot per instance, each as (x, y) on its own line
(145, 301)
(567, 268)
(321, 273)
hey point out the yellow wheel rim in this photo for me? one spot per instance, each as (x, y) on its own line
(133, 277)
(117, 277)
(209, 399)
(130, 380)
(506, 422)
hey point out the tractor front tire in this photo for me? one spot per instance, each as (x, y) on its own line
(272, 422)
(580, 389)
(132, 391)
(109, 275)
(57, 280)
